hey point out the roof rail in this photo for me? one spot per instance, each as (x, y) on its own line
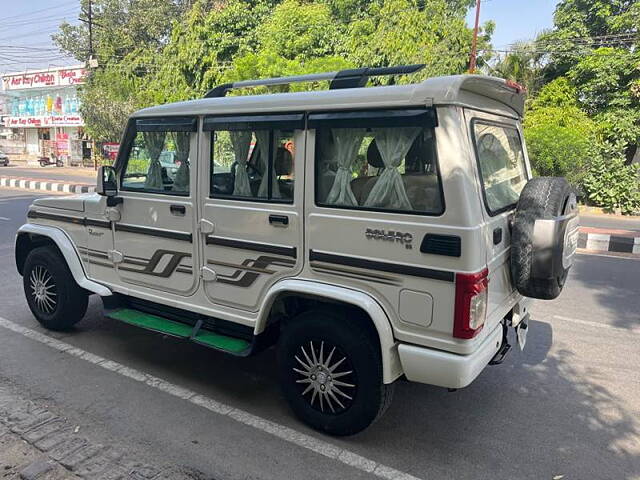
(352, 78)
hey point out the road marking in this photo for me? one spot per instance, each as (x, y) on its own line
(285, 433)
(596, 324)
(4, 218)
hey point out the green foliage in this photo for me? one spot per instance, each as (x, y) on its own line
(588, 49)
(393, 32)
(296, 38)
(561, 139)
(613, 185)
(522, 65)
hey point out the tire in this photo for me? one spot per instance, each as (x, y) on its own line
(323, 331)
(43, 164)
(54, 297)
(541, 198)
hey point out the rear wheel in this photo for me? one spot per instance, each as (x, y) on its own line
(54, 297)
(331, 372)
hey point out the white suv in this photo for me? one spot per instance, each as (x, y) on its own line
(371, 234)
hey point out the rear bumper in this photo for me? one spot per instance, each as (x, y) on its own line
(445, 369)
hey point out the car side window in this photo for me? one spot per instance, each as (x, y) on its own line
(253, 164)
(158, 161)
(389, 168)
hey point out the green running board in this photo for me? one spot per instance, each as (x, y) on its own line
(207, 338)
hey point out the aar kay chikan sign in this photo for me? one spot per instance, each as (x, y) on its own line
(50, 78)
(49, 121)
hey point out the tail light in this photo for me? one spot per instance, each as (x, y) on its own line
(471, 303)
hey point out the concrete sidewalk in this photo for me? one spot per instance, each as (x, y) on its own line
(609, 240)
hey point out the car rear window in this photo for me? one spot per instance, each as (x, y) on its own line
(501, 162)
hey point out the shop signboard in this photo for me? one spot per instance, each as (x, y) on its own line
(110, 150)
(47, 78)
(44, 121)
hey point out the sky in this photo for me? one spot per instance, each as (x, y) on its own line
(26, 27)
(515, 19)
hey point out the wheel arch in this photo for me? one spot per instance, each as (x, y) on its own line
(30, 236)
(391, 366)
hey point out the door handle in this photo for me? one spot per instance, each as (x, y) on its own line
(279, 219)
(497, 236)
(178, 209)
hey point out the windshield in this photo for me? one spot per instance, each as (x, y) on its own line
(501, 162)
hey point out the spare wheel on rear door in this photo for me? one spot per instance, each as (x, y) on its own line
(544, 237)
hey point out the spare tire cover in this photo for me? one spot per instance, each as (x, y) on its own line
(543, 198)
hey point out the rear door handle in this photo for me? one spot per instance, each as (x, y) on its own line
(178, 209)
(279, 219)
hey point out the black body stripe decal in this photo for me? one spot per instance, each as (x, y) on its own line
(345, 272)
(241, 278)
(155, 232)
(69, 219)
(382, 266)
(96, 223)
(258, 247)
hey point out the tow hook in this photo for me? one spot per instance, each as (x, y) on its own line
(500, 355)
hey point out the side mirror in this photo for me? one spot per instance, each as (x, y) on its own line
(106, 182)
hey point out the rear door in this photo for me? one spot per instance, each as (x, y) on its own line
(153, 238)
(251, 216)
(373, 212)
(502, 174)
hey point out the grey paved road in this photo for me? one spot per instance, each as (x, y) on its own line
(73, 175)
(568, 405)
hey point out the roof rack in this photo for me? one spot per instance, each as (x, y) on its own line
(352, 78)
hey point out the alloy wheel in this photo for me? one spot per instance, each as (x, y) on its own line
(43, 289)
(325, 377)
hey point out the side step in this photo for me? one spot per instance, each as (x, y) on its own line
(232, 345)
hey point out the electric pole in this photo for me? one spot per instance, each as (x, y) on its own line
(90, 21)
(474, 45)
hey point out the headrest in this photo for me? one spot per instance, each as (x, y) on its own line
(284, 161)
(373, 155)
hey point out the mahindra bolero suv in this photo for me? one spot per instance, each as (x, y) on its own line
(370, 234)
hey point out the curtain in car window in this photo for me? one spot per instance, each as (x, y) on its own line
(389, 191)
(346, 142)
(181, 180)
(262, 137)
(241, 141)
(154, 143)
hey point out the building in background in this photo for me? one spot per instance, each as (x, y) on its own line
(41, 109)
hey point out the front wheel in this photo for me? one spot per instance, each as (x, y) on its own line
(54, 297)
(331, 372)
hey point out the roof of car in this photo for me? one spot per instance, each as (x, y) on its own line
(474, 91)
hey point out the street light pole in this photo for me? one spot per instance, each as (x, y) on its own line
(474, 45)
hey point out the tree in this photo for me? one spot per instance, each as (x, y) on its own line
(434, 32)
(296, 38)
(595, 44)
(522, 65)
(561, 139)
(128, 36)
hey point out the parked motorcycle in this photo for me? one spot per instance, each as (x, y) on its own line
(46, 161)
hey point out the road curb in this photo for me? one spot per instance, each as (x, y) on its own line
(46, 185)
(606, 240)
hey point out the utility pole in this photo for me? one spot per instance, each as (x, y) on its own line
(90, 21)
(474, 45)
(90, 25)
